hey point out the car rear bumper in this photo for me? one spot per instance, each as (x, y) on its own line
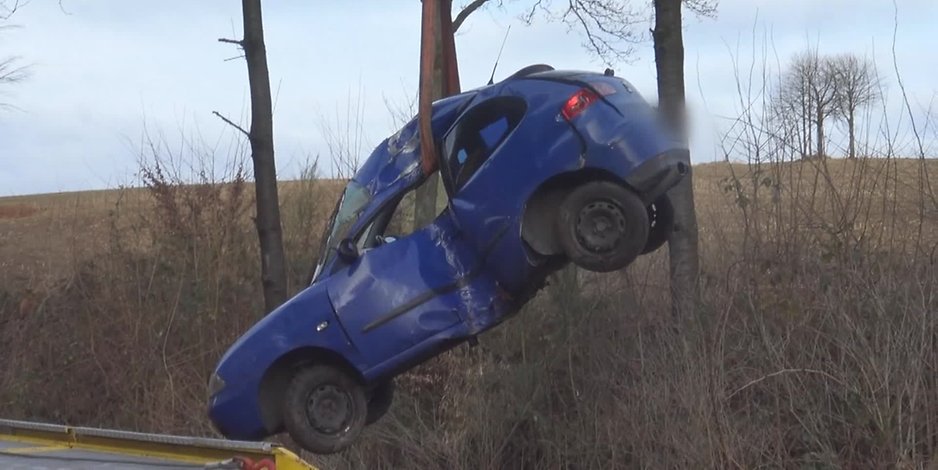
(656, 176)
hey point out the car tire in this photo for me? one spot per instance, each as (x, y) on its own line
(379, 401)
(602, 226)
(324, 409)
(660, 223)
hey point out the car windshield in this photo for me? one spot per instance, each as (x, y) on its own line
(354, 198)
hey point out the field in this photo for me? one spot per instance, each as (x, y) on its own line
(814, 344)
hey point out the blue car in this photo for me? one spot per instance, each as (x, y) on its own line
(544, 168)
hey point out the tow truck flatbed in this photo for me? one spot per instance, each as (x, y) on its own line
(29, 445)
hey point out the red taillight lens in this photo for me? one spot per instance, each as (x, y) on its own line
(578, 103)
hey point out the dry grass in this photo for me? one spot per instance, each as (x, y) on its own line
(17, 210)
(814, 347)
(48, 233)
(44, 237)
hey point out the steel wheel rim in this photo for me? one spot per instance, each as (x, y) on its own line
(600, 226)
(329, 409)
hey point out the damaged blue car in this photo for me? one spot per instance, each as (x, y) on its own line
(544, 168)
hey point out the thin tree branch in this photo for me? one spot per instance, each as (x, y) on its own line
(231, 123)
(9, 73)
(468, 10)
(8, 11)
(597, 48)
(528, 17)
(232, 41)
(704, 8)
(905, 97)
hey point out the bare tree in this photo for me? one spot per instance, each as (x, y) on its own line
(609, 25)
(682, 242)
(267, 221)
(856, 85)
(10, 70)
(814, 88)
(809, 88)
(792, 109)
(822, 90)
(612, 27)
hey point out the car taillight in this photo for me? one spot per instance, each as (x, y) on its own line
(577, 103)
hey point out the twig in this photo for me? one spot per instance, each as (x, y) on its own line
(905, 97)
(923, 180)
(780, 372)
(169, 328)
(231, 123)
(458, 21)
(231, 41)
(10, 10)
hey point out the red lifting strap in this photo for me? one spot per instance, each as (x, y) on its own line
(436, 13)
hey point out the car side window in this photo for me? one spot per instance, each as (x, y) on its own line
(393, 222)
(476, 136)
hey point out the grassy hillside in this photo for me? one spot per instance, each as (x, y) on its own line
(42, 237)
(814, 346)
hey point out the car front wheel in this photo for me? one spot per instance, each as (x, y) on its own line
(602, 226)
(325, 409)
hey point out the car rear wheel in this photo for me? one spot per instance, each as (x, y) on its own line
(325, 409)
(660, 223)
(602, 226)
(379, 401)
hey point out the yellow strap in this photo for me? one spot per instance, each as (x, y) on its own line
(35, 449)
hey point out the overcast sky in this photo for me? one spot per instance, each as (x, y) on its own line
(104, 68)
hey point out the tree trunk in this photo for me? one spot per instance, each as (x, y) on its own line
(682, 242)
(820, 132)
(427, 194)
(273, 267)
(430, 198)
(805, 131)
(808, 122)
(851, 123)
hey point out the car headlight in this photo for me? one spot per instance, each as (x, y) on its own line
(215, 384)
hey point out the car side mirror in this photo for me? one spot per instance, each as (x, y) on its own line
(347, 250)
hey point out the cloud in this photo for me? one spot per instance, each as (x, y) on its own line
(103, 70)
